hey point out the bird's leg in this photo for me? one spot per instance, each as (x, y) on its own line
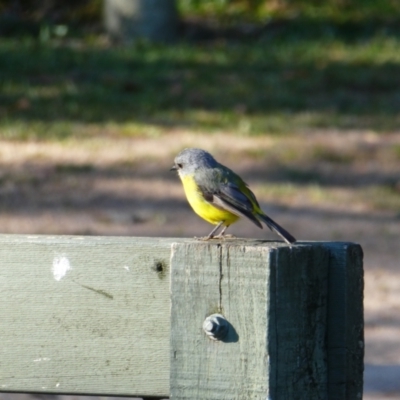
(222, 233)
(211, 235)
(223, 236)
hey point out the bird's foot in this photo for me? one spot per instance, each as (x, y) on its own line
(204, 238)
(217, 237)
(223, 237)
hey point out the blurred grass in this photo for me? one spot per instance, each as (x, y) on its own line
(289, 81)
(369, 198)
(336, 10)
(303, 67)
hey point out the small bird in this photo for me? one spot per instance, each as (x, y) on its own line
(218, 195)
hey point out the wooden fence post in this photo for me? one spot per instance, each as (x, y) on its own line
(277, 301)
(134, 317)
(345, 321)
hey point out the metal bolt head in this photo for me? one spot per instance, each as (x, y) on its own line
(216, 326)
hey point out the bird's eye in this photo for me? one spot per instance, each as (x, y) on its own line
(179, 165)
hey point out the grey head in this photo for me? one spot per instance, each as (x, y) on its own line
(190, 159)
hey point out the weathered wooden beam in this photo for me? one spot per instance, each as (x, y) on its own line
(84, 315)
(345, 321)
(276, 299)
(124, 316)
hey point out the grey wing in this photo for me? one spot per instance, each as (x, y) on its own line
(229, 197)
(221, 192)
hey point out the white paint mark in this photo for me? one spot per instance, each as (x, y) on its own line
(127, 268)
(61, 266)
(57, 384)
(41, 359)
(4, 386)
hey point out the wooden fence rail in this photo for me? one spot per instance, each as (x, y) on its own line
(124, 316)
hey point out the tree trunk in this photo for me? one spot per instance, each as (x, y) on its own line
(128, 20)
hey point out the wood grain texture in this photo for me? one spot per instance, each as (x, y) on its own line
(201, 368)
(345, 339)
(99, 327)
(297, 326)
(274, 296)
(93, 315)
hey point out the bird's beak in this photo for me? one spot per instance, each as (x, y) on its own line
(174, 168)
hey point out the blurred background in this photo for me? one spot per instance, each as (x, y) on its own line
(300, 97)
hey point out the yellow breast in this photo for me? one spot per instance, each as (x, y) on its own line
(203, 208)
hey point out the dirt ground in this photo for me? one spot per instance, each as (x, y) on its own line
(124, 187)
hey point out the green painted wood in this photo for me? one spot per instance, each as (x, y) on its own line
(84, 315)
(274, 296)
(298, 322)
(92, 315)
(345, 321)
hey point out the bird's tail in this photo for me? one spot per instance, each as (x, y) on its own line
(277, 228)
